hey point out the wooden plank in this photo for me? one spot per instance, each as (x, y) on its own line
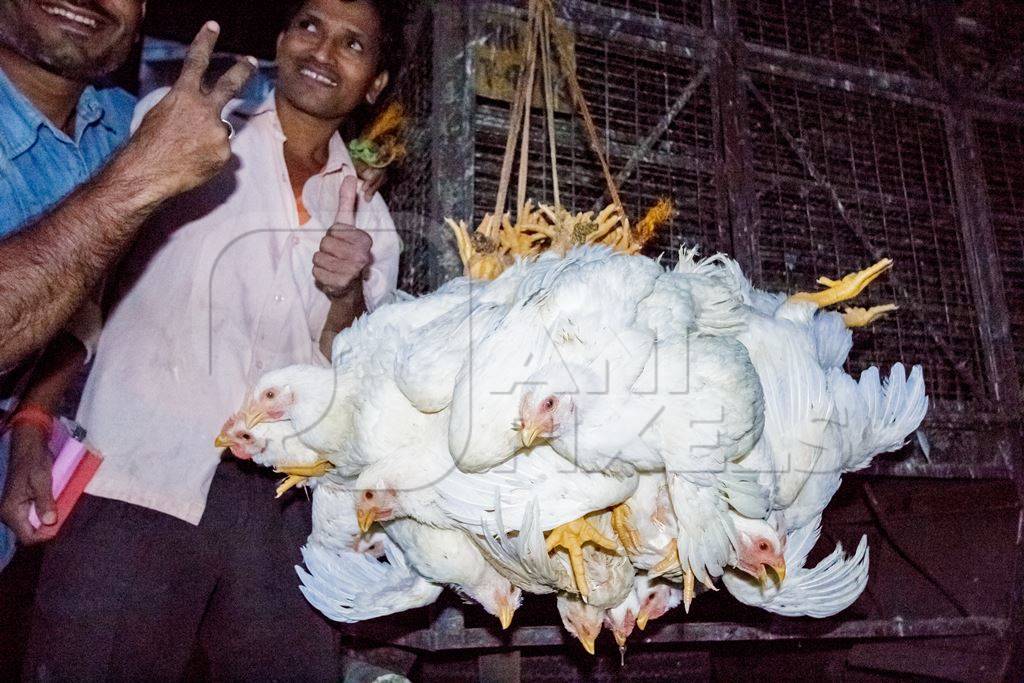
(452, 133)
(710, 632)
(500, 667)
(737, 199)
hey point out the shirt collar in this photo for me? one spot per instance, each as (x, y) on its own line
(20, 120)
(338, 157)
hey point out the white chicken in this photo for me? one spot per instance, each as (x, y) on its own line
(451, 558)
(593, 426)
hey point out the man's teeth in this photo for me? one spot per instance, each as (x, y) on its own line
(68, 14)
(309, 73)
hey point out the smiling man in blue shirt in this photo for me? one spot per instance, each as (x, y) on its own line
(44, 156)
(70, 202)
(40, 164)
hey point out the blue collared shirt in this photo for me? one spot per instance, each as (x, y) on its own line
(39, 166)
(39, 163)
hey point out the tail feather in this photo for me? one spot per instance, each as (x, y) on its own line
(878, 417)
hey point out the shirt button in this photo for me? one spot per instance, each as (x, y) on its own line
(278, 298)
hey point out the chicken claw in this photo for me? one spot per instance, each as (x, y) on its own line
(571, 537)
(627, 533)
(669, 560)
(862, 317)
(845, 289)
(297, 475)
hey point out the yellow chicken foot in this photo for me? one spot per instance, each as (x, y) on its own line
(862, 317)
(669, 560)
(299, 474)
(571, 537)
(627, 533)
(689, 589)
(845, 289)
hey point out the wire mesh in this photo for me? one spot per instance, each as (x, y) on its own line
(630, 91)
(1001, 146)
(887, 164)
(990, 39)
(686, 12)
(885, 35)
(411, 205)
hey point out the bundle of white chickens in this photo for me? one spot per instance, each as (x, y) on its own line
(594, 426)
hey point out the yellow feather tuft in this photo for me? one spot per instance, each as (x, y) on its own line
(656, 216)
(391, 121)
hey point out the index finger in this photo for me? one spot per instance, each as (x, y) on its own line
(232, 81)
(197, 59)
(347, 198)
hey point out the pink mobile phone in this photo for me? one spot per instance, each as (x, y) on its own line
(73, 466)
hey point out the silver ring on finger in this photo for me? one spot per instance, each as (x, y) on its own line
(229, 127)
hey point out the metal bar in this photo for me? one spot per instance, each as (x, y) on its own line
(714, 632)
(454, 100)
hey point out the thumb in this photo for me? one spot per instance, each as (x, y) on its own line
(41, 489)
(347, 198)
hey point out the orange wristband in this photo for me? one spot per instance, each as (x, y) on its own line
(36, 416)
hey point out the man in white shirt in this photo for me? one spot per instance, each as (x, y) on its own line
(174, 547)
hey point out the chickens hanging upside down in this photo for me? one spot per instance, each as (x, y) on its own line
(592, 425)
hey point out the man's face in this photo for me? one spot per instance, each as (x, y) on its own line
(78, 39)
(328, 57)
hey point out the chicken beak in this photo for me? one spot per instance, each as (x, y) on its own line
(505, 612)
(588, 643)
(780, 571)
(530, 436)
(641, 618)
(222, 441)
(762, 575)
(254, 418)
(366, 518)
(620, 639)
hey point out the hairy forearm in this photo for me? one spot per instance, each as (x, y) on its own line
(344, 310)
(48, 269)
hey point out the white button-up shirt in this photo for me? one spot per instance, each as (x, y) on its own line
(219, 290)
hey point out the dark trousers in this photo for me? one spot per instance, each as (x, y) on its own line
(127, 593)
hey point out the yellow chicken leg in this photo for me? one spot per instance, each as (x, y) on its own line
(862, 317)
(627, 533)
(845, 289)
(689, 589)
(571, 537)
(299, 474)
(669, 560)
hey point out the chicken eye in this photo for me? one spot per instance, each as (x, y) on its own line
(270, 394)
(368, 495)
(548, 403)
(763, 545)
(246, 436)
